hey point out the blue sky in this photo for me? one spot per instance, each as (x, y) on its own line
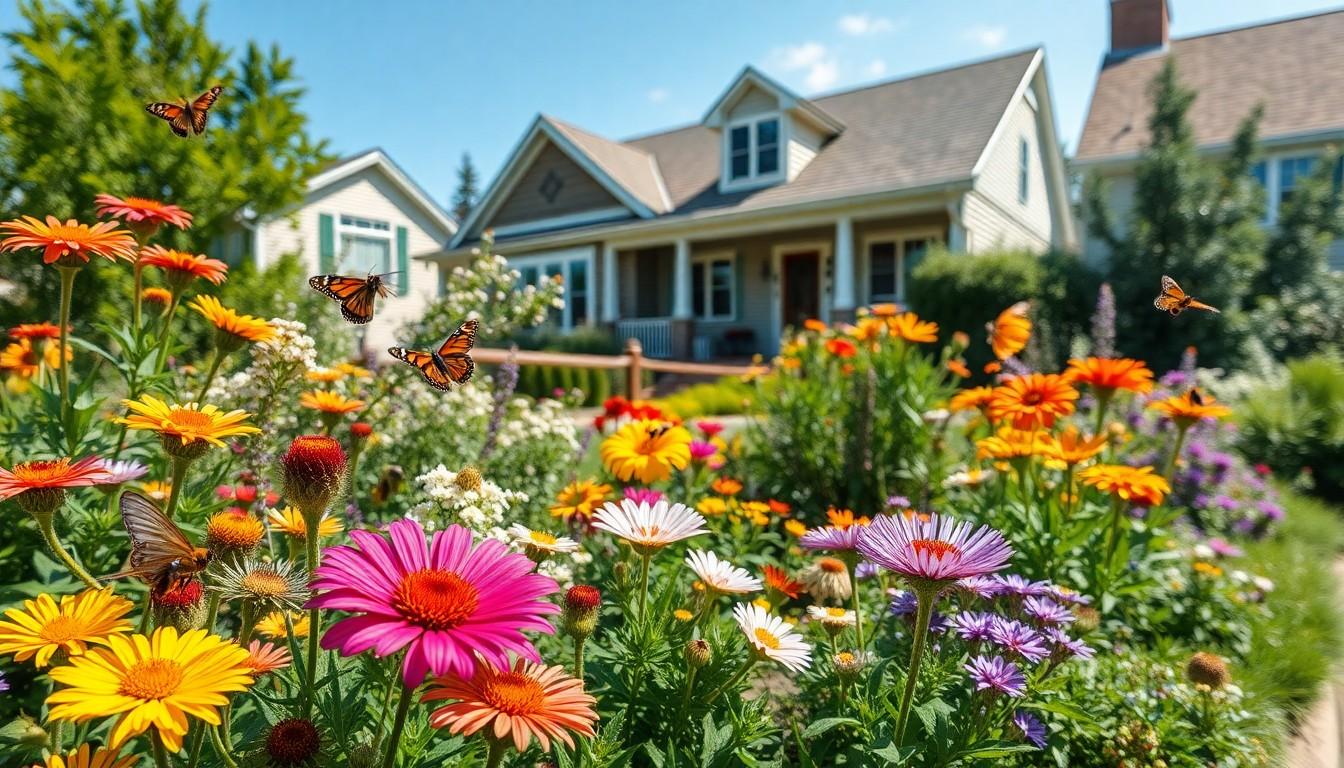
(427, 80)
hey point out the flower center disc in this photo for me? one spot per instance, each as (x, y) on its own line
(189, 419)
(61, 629)
(435, 599)
(937, 548)
(541, 537)
(292, 742)
(151, 679)
(40, 471)
(514, 693)
(764, 637)
(265, 584)
(831, 565)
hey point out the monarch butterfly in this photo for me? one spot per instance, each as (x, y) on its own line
(1009, 332)
(1174, 300)
(186, 118)
(450, 363)
(356, 294)
(160, 552)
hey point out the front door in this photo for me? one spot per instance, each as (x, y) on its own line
(800, 287)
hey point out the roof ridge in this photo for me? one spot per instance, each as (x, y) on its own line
(565, 124)
(1258, 25)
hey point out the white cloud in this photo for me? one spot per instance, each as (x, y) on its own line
(822, 69)
(860, 24)
(657, 95)
(986, 36)
(877, 67)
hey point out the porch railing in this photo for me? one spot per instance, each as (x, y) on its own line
(654, 334)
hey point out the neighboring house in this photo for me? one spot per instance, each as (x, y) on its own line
(1294, 68)
(361, 214)
(708, 240)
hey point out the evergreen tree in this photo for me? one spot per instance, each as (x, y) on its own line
(464, 199)
(1194, 217)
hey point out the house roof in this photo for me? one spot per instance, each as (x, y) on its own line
(911, 133)
(750, 77)
(1294, 67)
(347, 166)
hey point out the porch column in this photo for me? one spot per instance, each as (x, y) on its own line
(842, 299)
(611, 298)
(682, 307)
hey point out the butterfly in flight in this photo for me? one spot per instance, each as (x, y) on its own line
(451, 363)
(356, 294)
(160, 552)
(1175, 301)
(1009, 332)
(186, 117)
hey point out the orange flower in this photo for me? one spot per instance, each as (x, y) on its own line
(844, 518)
(149, 214)
(71, 243)
(959, 368)
(1072, 447)
(1138, 485)
(909, 327)
(229, 324)
(1106, 375)
(49, 479)
(886, 309)
(795, 528)
(157, 296)
(1009, 444)
(970, 399)
(1032, 401)
(814, 325)
(35, 331)
(778, 507)
(528, 700)
(181, 268)
(1009, 332)
(1189, 408)
(993, 367)
(842, 348)
(329, 402)
(869, 329)
(777, 580)
(23, 358)
(726, 486)
(266, 657)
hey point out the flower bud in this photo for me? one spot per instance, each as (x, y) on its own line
(1207, 669)
(850, 664)
(181, 607)
(580, 613)
(364, 756)
(314, 468)
(233, 534)
(1088, 619)
(469, 479)
(26, 731)
(361, 431)
(699, 653)
(620, 572)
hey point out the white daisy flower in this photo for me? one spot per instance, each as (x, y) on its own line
(720, 575)
(649, 526)
(832, 619)
(541, 540)
(771, 637)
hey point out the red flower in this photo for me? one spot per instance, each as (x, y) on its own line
(842, 348)
(35, 331)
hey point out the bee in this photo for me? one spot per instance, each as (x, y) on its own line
(388, 484)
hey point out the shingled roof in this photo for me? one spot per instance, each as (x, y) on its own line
(1294, 67)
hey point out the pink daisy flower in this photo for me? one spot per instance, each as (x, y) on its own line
(937, 548)
(442, 601)
(701, 450)
(643, 495)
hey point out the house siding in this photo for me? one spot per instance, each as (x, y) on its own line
(994, 212)
(579, 191)
(368, 194)
(804, 144)
(754, 102)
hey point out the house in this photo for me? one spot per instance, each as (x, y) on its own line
(360, 214)
(708, 240)
(1293, 67)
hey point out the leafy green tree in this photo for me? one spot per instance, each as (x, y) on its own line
(1196, 218)
(74, 125)
(468, 192)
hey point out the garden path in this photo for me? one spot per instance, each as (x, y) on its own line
(1319, 742)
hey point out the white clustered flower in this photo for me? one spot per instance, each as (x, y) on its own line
(482, 510)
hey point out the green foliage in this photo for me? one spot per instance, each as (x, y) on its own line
(1299, 425)
(74, 125)
(468, 189)
(1194, 217)
(729, 395)
(964, 291)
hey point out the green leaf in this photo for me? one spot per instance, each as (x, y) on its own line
(818, 727)
(994, 748)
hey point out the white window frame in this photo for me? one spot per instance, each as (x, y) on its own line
(706, 288)
(899, 237)
(1273, 180)
(1023, 170)
(754, 177)
(566, 257)
(372, 233)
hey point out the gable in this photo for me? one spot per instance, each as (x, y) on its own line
(552, 186)
(753, 101)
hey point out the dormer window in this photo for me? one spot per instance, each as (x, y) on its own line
(753, 149)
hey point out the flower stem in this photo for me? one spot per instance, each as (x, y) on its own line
(578, 657)
(854, 595)
(732, 681)
(923, 615)
(311, 521)
(46, 524)
(139, 271)
(394, 742)
(212, 611)
(497, 749)
(175, 489)
(210, 376)
(220, 748)
(644, 586)
(67, 290)
(55, 734)
(165, 338)
(392, 680)
(245, 622)
(1175, 453)
(160, 754)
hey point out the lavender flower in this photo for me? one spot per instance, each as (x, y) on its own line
(1224, 548)
(1103, 323)
(997, 675)
(986, 587)
(1047, 611)
(506, 380)
(1032, 730)
(4, 684)
(1066, 646)
(123, 471)
(904, 603)
(1013, 584)
(866, 570)
(935, 549)
(1065, 595)
(974, 626)
(1018, 638)
(898, 502)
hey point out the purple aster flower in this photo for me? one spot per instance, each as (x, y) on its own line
(866, 570)
(898, 502)
(987, 587)
(904, 603)
(1065, 595)
(1223, 461)
(937, 548)
(938, 623)
(1226, 502)
(1047, 611)
(1032, 730)
(1271, 510)
(974, 626)
(1018, 638)
(1244, 526)
(1066, 646)
(1012, 584)
(4, 684)
(996, 674)
(702, 450)
(1224, 548)
(643, 495)
(123, 471)
(1201, 501)
(832, 538)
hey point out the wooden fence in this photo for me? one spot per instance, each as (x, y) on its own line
(632, 361)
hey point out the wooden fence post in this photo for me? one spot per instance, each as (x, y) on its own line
(634, 375)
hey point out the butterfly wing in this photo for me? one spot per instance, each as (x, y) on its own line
(1172, 299)
(1171, 288)
(1195, 304)
(176, 115)
(156, 542)
(356, 295)
(425, 363)
(200, 109)
(455, 351)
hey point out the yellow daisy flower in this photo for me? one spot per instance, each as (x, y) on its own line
(329, 402)
(157, 490)
(231, 324)
(290, 521)
(87, 757)
(647, 450)
(188, 422)
(273, 624)
(155, 681)
(354, 371)
(42, 627)
(325, 375)
(580, 499)
(711, 506)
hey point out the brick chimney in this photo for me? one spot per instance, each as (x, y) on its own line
(1139, 25)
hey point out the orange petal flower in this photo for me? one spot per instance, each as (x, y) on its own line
(1073, 447)
(844, 518)
(842, 348)
(58, 473)
(529, 700)
(157, 295)
(777, 580)
(230, 323)
(1189, 408)
(329, 402)
(1009, 444)
(814, 325)
(23, 358)
(266, 657)
(35, 331)
(181, 267)
(970, 399)
(1138, 485)
(136, 210)
(1009, 332)
(1032, 401)
(959, 368)
(1106, 375)
(909, 327)
(726, 486)
(71, 243)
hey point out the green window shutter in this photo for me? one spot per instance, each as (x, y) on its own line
(739, 284)
(326, 243)
(403, 261)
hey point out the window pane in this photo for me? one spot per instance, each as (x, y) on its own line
(740, 139)
(915, 251)
(1291, 171)
(578, 305)
(528, 276)
(698, 290)
(741, 165)
(721, 288)
(882, 270)
(578, 276)
(1023, 171)
(767, 147)
(362, 255)
(1260, 172)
